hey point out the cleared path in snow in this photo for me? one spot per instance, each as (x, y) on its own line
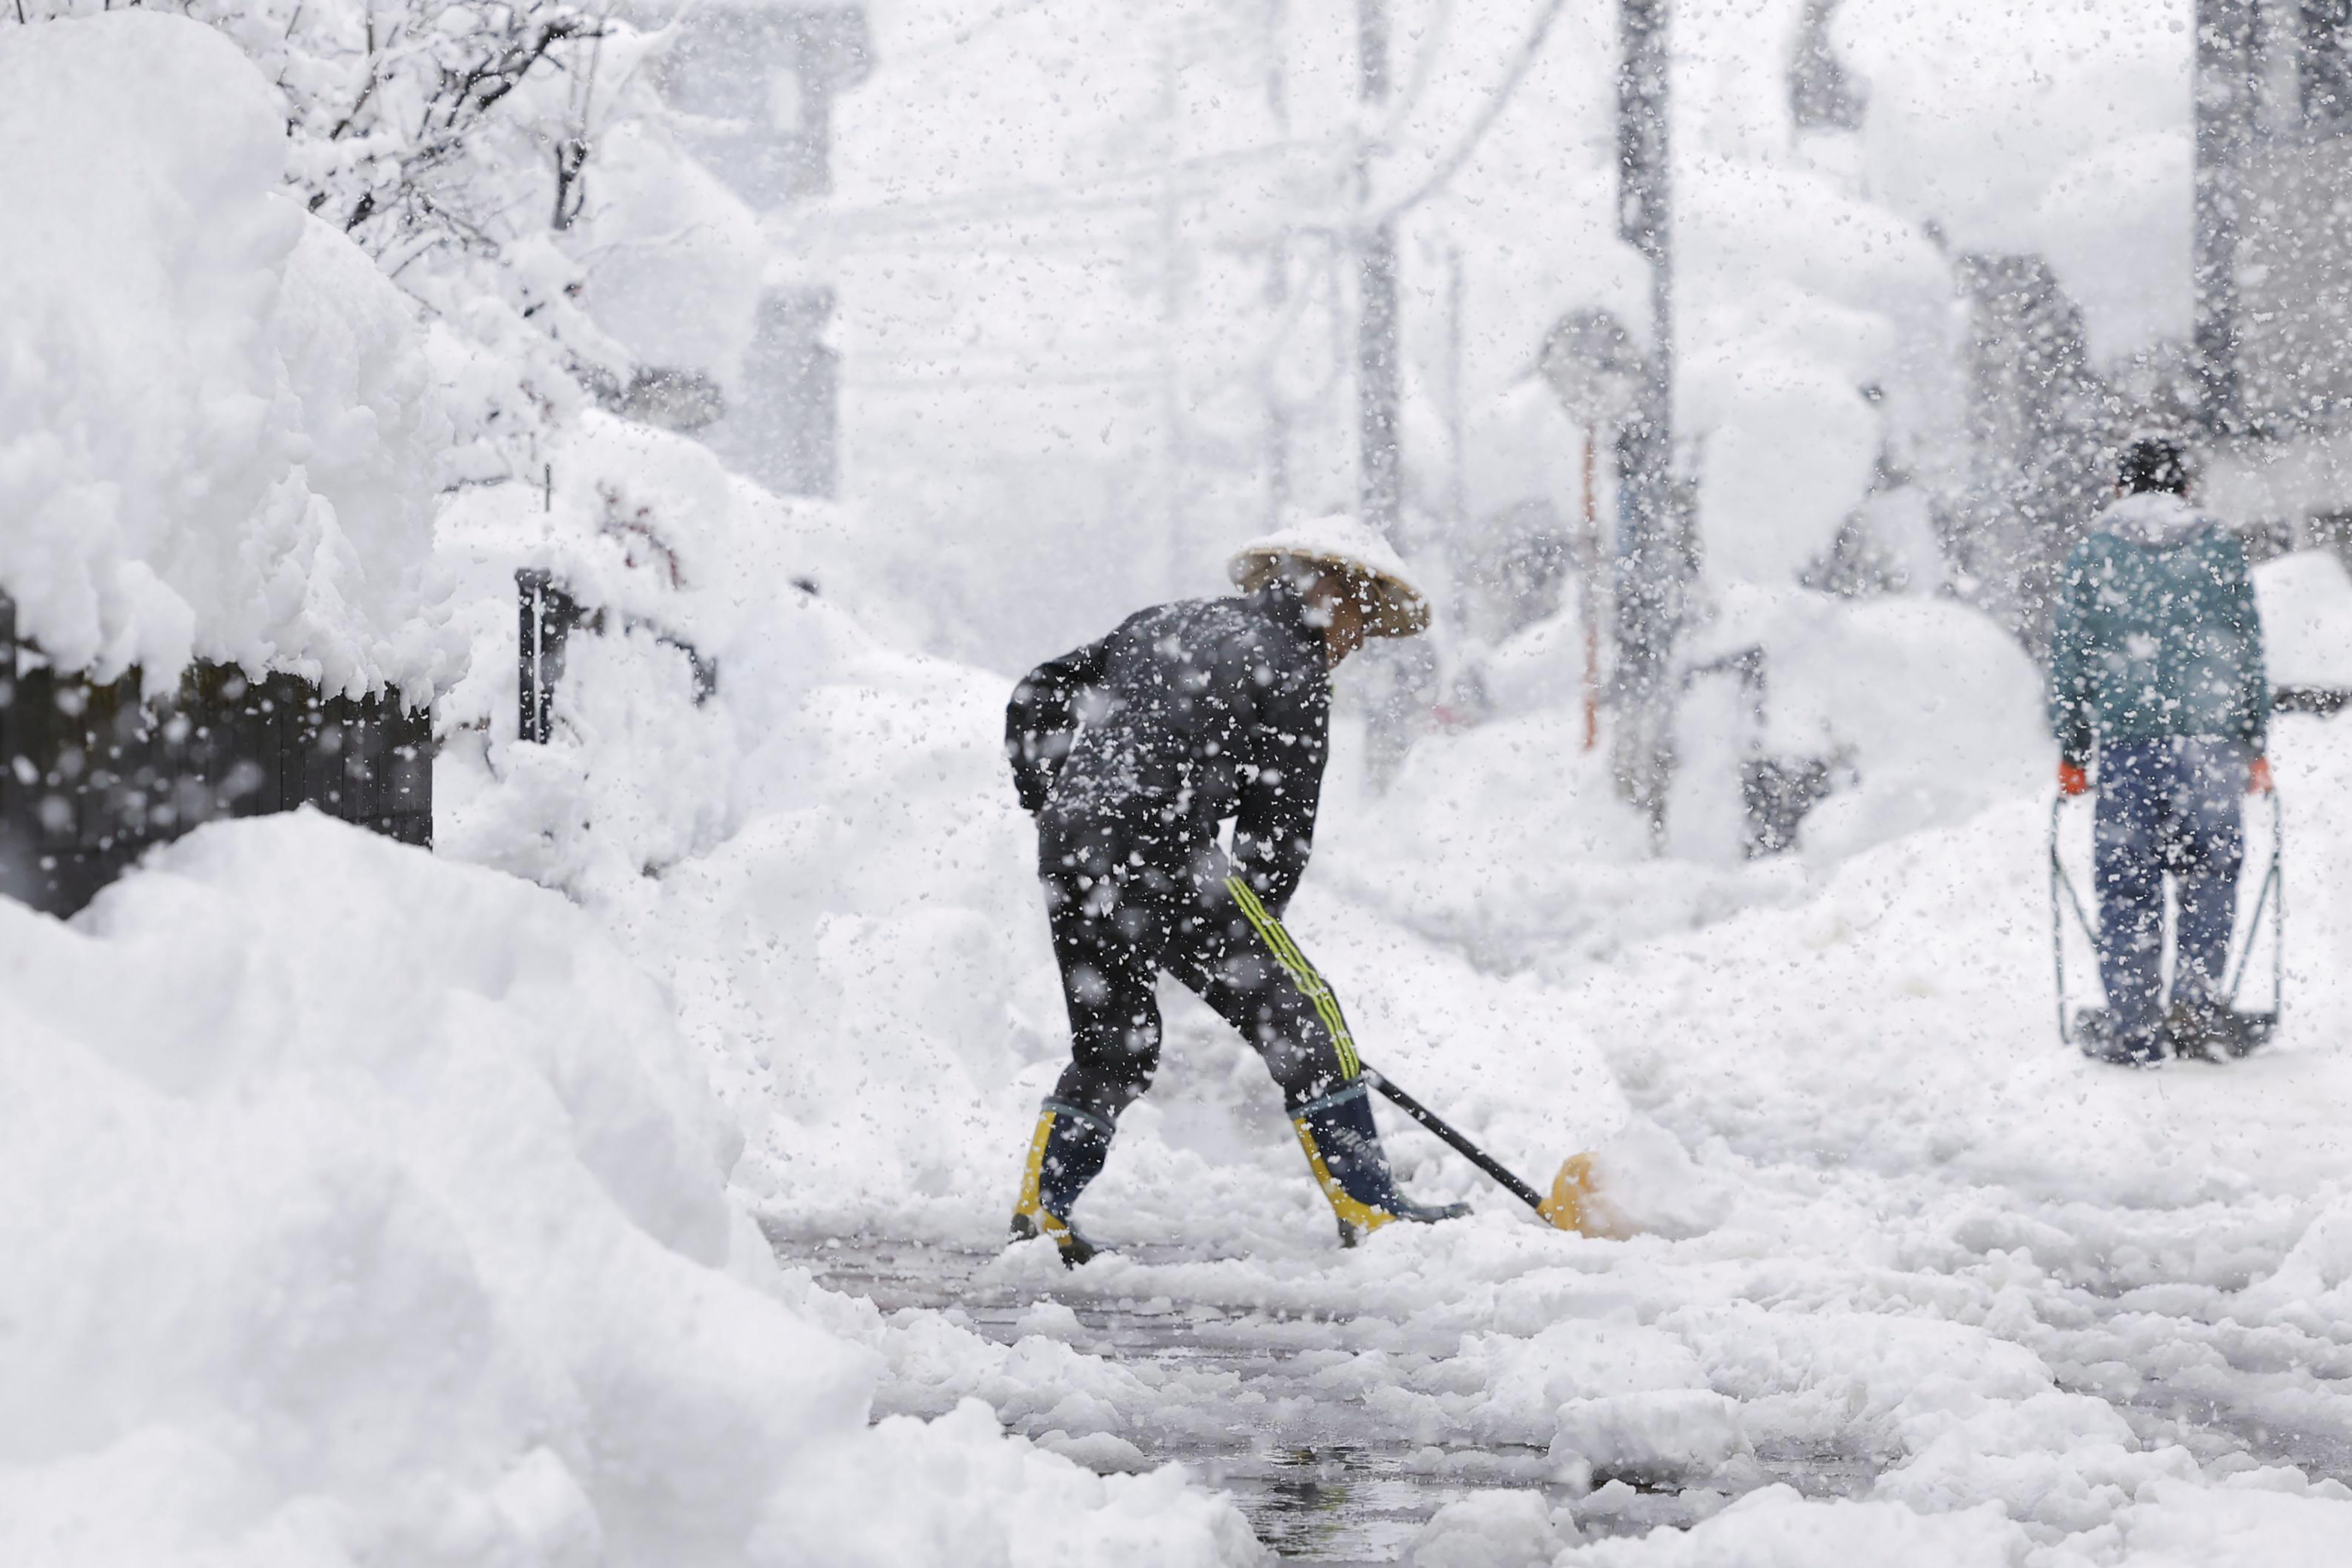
(1318, 1480)
(1953, 1294)
(1341, 1432)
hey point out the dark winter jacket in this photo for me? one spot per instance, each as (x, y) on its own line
(1187, 714)
(2156, 633)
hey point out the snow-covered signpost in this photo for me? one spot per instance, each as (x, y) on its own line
(1653, 555)
(1590, 364)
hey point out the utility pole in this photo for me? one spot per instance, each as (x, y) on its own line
(1458, 498)
(1379, 473)
(1654, 558)
(1588, 593)
(1378, 477)
(2223, 88)
(1172, 325)
(1277, 284)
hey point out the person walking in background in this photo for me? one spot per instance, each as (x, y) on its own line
(1129, 752)
(2156, 677)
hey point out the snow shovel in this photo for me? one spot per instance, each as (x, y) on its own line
(1571, 1186)
(2091, 1029)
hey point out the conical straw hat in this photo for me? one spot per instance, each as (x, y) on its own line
(1398, 608)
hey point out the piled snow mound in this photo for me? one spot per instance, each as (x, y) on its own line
(1929, 712)
(645, 524)
(1923, 712)
(217, 433)
(1920, 976)
(671, 232)
(1492, 1530)
(2305, 601)
(870, 948)
(1776, 1528)
(955, 1492)
(367, 1207)
(1538, 667)
(1507, 837)
(2074, 145)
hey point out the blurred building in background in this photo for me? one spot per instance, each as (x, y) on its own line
(2041, 428)
(754, 84)
(2274, 265)
(1823, 94)
(757, 81)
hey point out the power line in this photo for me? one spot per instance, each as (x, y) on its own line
(1496, 101)
(1125, 186)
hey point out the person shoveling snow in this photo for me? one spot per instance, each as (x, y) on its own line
(1129, 752)
(2157, 663)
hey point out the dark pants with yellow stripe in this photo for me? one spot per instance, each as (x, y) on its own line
(1124, 907)
(1127, 906)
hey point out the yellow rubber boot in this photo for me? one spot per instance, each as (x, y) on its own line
(1065, 1153)
(1343, 1149)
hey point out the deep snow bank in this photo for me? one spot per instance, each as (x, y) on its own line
(1926, 711)
(367, 1207)
(1920, 976)
(218, 436)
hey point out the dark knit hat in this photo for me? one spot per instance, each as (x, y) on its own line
(2153, 460)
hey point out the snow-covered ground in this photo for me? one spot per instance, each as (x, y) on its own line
(1978, 1299)
(513, 1204)
(1919, 1285)
(1913, 1279)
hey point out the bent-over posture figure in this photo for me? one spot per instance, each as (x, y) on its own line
(2156, 667)
(1130, 752)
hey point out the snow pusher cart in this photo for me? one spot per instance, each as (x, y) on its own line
(2091, 1029)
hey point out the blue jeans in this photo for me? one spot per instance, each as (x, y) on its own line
(2167, 806)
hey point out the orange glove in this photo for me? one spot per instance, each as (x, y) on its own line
(2073, 781)
(2258, 777)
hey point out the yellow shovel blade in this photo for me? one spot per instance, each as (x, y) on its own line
(1569, 1205)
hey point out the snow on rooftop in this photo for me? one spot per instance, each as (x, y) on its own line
(219, 435)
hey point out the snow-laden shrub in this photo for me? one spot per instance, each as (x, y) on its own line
(217, 427)
(466, 146)
(663, 549)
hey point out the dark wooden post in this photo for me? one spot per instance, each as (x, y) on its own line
(1654, 554)
(545, 616)
(534, 680)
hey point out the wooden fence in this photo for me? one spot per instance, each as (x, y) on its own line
(91, 776)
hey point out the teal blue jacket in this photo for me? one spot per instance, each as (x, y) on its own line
(2157, 634)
